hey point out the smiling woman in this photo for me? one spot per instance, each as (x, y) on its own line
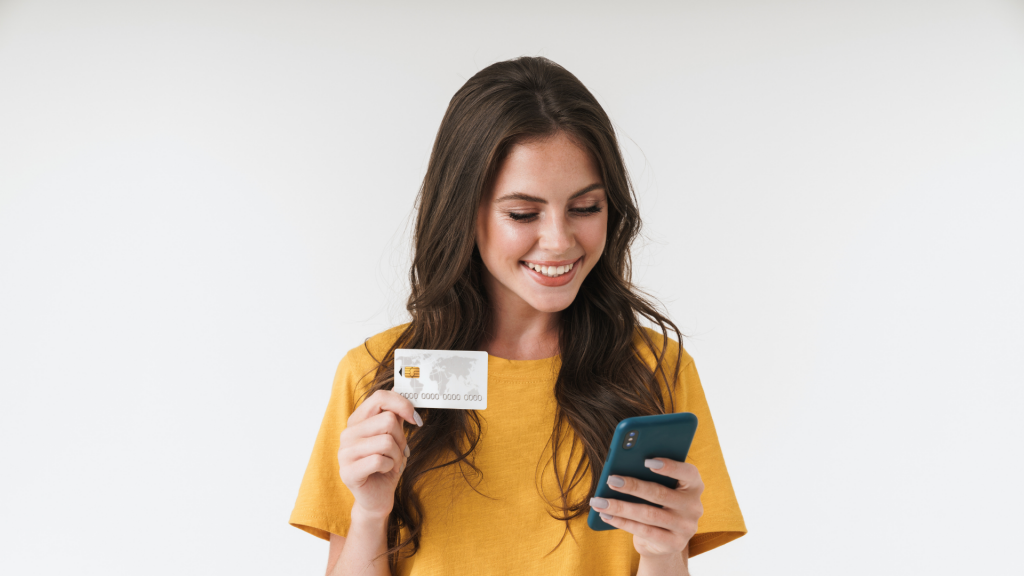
(521, 249)
(550, 237)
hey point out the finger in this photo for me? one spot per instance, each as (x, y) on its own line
(643, 513)
(356, 473)
(383, 423)
(649, 491)
(383, 444)
(386, 400)
(654, 534)
(686, 473)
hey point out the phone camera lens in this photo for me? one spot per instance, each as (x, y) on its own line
(631, 438)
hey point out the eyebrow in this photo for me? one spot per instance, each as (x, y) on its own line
(528, 198)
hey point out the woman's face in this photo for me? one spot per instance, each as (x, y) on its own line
(546, 212)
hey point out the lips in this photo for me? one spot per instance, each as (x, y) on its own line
(555, 281)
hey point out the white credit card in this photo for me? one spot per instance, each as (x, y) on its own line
(442, 378)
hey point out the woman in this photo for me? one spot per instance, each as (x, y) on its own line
(521, 249)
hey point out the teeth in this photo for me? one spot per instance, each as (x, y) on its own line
(550, 271)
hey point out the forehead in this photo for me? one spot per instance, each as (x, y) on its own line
(550, 167)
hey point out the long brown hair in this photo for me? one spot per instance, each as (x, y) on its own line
(602, 378)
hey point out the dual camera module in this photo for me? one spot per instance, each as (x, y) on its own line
(630, 439)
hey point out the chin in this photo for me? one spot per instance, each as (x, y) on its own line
(552, 304)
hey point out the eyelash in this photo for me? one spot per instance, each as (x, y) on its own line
(588, 211)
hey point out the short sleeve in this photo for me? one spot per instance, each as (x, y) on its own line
(324, 504)
(722, 521)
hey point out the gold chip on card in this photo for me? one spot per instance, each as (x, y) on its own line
(410, 372)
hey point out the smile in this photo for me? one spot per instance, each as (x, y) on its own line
(552, 275)
(550, 271)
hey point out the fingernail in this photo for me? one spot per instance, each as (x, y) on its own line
(605, 516)
(406, 450)
(616, 482)
(598, 503)
(416, 417)
(654, 464)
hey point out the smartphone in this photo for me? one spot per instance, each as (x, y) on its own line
(635, 440)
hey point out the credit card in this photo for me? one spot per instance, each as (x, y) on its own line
(442, 378)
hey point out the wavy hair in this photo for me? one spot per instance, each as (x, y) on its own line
(602, 378)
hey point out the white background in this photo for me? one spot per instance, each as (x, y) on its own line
(204, 205)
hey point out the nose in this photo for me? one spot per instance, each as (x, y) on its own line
(557, 237)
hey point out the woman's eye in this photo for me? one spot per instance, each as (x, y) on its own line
(588, 210)
(529, 216)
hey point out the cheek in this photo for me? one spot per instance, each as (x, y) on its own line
(593, 234)
(503, 240)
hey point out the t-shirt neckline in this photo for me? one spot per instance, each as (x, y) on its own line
(507, 369)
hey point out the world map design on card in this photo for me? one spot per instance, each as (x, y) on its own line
(442, 378)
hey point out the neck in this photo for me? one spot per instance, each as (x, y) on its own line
(519, 331)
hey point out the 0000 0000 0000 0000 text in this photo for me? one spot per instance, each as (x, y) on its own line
(434, 396)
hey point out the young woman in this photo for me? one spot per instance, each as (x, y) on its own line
(525, 220)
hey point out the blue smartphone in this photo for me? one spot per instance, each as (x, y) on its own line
(635, 440)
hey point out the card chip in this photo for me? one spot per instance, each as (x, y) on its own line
(411, 371)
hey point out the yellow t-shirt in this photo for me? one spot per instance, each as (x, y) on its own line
(511, 531)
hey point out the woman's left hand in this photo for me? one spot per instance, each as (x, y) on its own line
(656, 531)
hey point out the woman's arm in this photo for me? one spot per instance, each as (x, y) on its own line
(661, 535)
(337, 543)
(677, 565)
(358, 554)
(372, 455)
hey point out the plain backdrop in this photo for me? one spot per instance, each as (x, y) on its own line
(205, 204)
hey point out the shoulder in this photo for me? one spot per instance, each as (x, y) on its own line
(650, 344)
(373, 349)
(360, 362)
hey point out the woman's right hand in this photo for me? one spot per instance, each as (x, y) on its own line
(374, 451)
